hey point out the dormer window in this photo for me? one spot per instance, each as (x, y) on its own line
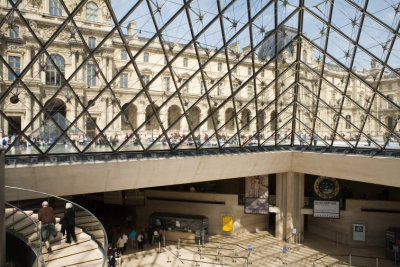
(92, 12)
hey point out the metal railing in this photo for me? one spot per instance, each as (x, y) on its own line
(220, 258)
(86, 220)
(36, 249)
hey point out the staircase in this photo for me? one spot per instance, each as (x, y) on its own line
(85, 252)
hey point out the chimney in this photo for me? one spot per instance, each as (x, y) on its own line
(132, 28)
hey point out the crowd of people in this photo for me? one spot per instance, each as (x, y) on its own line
(21, 144)
(120, 241)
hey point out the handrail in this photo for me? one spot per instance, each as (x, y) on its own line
(206, 254)
(38, 253)
(104, 246)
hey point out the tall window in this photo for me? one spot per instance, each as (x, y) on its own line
(262, 74)
(91, 12)
(92, 42)
(55, 7)
(220, 88)
(14, 32)
(202, 87)
(53, 77)
(145, 57)
(91, 75)
(124, 55)
(186, 87)
(15, 64)
(123, 80)
(249, 71)
(250, 91)
(146, 79)
(219, 66)
(348, 122)
(166, 83)
(185, 62)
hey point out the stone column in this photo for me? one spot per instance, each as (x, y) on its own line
(35, 68)
(290, 201)
(109, 69)
(73, 65)
(28, 114)
(2, 121)
(35, 110)
(2, 213)
(81, 70)
(27, 59)
(103, 65)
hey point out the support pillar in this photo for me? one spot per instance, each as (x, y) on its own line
(2, 214)
(290, 200)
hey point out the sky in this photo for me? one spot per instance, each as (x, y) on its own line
(374, 37)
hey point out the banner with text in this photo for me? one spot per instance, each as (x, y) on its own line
(326, 209)
(256, 195)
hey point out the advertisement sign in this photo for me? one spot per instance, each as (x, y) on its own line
(358, 232)
(227, 223)
(256, 195)
(326, 209)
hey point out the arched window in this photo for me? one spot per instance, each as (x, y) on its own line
(229, 119)
(348, 122)
(245, 119)
(305, 55)
(53, 76)
(129, 117)
(151, 119)
(55, 7)
(174, 112)
(91, 12)
(261, 119)
(215, 115)
(273, 120)
(194, 117)
(389, 122)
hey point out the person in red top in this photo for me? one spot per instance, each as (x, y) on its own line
(47, 219)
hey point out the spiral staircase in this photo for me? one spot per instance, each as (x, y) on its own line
(89, 250)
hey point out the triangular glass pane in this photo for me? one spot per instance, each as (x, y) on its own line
(201, 15)
(346, 18)
(319, 8)
(285, 8)
(386, 12)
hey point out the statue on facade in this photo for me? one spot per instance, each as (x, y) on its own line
(35, 3)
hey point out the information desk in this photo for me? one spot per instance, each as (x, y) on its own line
(175, 235)
(184, 226)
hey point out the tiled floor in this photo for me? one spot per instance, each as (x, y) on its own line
(268, 251)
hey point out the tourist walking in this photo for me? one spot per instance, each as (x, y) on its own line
(68, 222)
(47, 221)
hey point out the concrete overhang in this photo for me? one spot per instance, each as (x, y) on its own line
(83, 178)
